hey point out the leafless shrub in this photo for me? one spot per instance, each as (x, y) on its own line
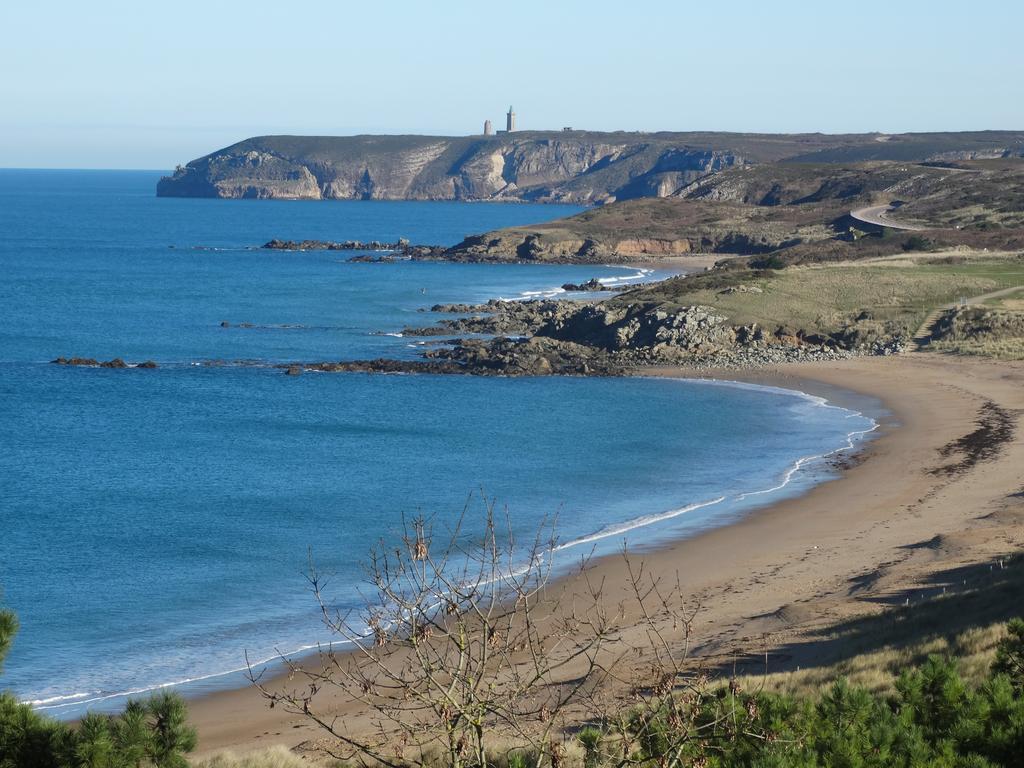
(465, 654)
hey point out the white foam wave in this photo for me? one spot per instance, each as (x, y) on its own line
(82, 699)
(68, 697)
(639, 522)
(640, 274)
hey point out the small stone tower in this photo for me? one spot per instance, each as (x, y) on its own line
(488, 128)
(510, 120)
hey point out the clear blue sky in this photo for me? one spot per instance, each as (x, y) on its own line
(107, 84)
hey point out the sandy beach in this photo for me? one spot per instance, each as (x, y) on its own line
(914, 505)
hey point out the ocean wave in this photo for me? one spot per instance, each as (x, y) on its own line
(95, 697)
(70, 697)
(640, 522)
(640, 274)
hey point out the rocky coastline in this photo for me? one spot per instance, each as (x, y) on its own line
(575, 337)
(578, 338)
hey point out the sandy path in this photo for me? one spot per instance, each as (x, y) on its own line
(781, 572)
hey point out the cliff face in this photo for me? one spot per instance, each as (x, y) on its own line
(563, 167)
(582, 167)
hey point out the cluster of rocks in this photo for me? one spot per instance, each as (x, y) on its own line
(535, 356)
(89, 362)
(495, 318)
(545, 337)
(593, 284)
(687, 330)
(379, 365)
(376, 258)
(400, 248)
(330, 245)
(272, 326)
(543, 356)
(597, 339)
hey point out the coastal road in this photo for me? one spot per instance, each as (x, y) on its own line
(878, 215)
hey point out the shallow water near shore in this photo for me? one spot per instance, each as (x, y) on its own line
(156, 524)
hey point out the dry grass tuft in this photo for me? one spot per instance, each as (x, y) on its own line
(273, 757)
(878, 670)
(1000, 349)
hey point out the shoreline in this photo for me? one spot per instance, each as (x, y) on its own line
(778, 573)
(734, 508)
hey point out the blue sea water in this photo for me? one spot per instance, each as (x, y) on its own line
(155, 526)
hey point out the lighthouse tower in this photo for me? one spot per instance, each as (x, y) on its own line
(510, 120)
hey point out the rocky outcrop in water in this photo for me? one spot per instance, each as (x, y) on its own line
(89, 362)
(593, 284)
(391, 250)
(538, 338)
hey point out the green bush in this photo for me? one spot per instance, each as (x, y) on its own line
(153, 733)
(934, 719)
(1010, 654)
(917, 243)
(771, 261)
